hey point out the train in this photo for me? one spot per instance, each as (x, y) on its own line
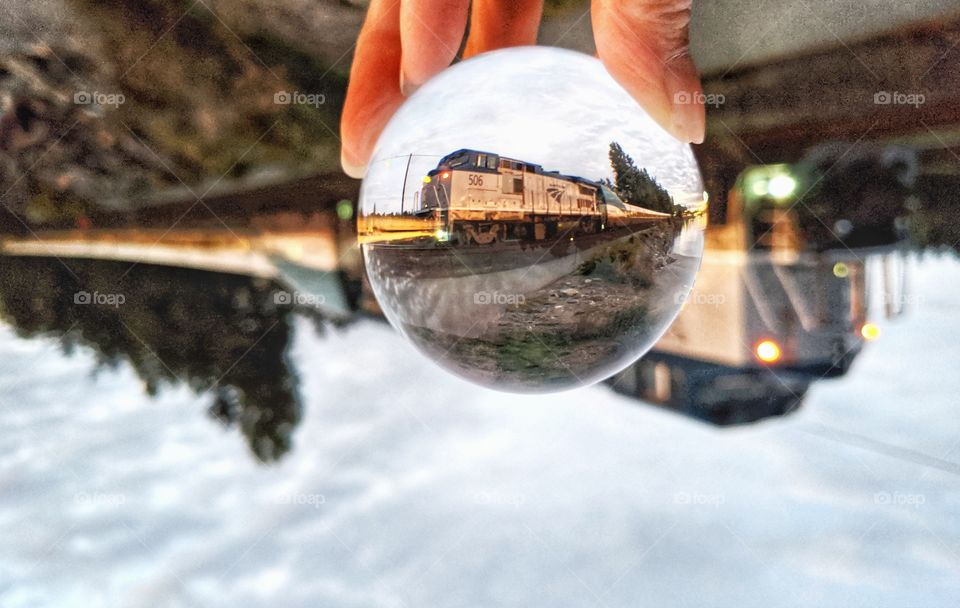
(757, 330)
(767, 317)
(478, 198)
(831, 199)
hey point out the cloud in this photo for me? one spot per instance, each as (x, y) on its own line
(553, 107)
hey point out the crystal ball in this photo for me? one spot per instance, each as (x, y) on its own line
(527, 225)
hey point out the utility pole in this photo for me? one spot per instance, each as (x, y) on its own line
(406, 173)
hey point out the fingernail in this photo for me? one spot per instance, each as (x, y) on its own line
(351, 168)
(682, 84)
(407, 87)
(688, 122)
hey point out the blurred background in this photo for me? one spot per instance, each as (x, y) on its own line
(203, 405)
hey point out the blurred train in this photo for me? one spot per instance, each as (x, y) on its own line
(479, 198)
(832, 198)
(770, 312)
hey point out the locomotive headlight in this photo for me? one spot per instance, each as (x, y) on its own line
(870, 331)
(767, 351)
(781, 186)
(442, 235)
(774, 181)
(445, 175)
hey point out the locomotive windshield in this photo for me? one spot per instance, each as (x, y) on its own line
(610, 198)
(470, 158)
(457, 160)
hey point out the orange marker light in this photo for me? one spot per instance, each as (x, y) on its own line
(445, 175)
(870, 331)
(767, 351)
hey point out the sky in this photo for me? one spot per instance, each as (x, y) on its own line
(556, 108)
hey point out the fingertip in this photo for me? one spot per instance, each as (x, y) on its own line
(498, 24)
(373, 94)
(407, 86)
(688, 122)
(688, 114)
(645, 47)
(431, 32)
(351, 167)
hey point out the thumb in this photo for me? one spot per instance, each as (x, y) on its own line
(644, 44)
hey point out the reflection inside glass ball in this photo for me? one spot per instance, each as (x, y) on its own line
(527, 225)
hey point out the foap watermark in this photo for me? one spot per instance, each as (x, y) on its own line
(100, 499)
(309, 500)
(297, 298)
(96, 98)
(85, 298)
(898, 98)
(899, 300)
(708, 99)
(296, 98)
(899, 499)
(699, 499)
(498, 298)
(700, 299)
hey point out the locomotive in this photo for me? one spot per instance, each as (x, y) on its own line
(479, 198)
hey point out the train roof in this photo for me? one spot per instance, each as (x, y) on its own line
(536, 168)
(499, 156)
(472, 151)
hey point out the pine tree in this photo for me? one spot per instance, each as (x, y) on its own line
(636, 186)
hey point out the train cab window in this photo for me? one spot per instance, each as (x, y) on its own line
(460, 159)
(481, 160)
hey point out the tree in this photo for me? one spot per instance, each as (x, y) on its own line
(223, 336)
(635, 185)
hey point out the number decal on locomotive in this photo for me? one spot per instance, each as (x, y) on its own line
(475, 179)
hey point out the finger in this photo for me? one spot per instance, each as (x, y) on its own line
(430, 32)
(644, 44)
(497, 24)
(373, 93)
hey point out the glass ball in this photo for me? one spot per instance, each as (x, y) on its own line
(527, 225)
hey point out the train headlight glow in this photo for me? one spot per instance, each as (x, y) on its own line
(781, 186)
(767, 351)
(442, 235)
(445, 175)
(870, 331)
(759, 188)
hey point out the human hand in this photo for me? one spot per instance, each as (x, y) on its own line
(404, 43)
